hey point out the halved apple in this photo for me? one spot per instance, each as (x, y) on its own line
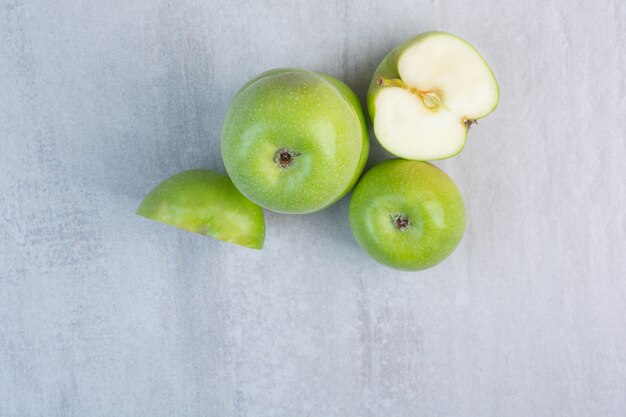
(426, 94)
(206, 202)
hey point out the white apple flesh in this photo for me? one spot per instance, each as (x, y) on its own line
(426, 94)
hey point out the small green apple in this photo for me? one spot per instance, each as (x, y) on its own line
(426, 94)
(407, 214)
(294, 141)
(206, 202)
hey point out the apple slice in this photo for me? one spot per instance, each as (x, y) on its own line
(206, 202)
(426, 94)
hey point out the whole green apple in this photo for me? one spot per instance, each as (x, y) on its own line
(294, 141)
(206, 202)
(426, 94)
(407, 214)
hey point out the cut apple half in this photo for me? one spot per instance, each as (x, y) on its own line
(427, 93)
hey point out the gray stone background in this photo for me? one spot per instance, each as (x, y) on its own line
(103, 313)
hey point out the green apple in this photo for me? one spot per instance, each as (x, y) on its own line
(426, 94)
(407, 214)
(206, 202)
(294, 141)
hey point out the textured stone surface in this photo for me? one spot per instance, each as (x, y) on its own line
(103, 313)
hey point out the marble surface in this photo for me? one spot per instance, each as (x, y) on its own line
(103, 313)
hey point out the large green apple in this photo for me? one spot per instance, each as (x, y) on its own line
(206, 202)
(426, 94)
(294, 141)
(407, 214)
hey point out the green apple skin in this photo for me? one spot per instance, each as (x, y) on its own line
(206, 202)
(316, 118)
(397, 190)
(388, 69)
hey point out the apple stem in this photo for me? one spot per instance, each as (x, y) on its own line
(394, 82)
(401, 222)
(469, 123)
(284, 157)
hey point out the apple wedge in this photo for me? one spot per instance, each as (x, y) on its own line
(426, 94)
(206, 202)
